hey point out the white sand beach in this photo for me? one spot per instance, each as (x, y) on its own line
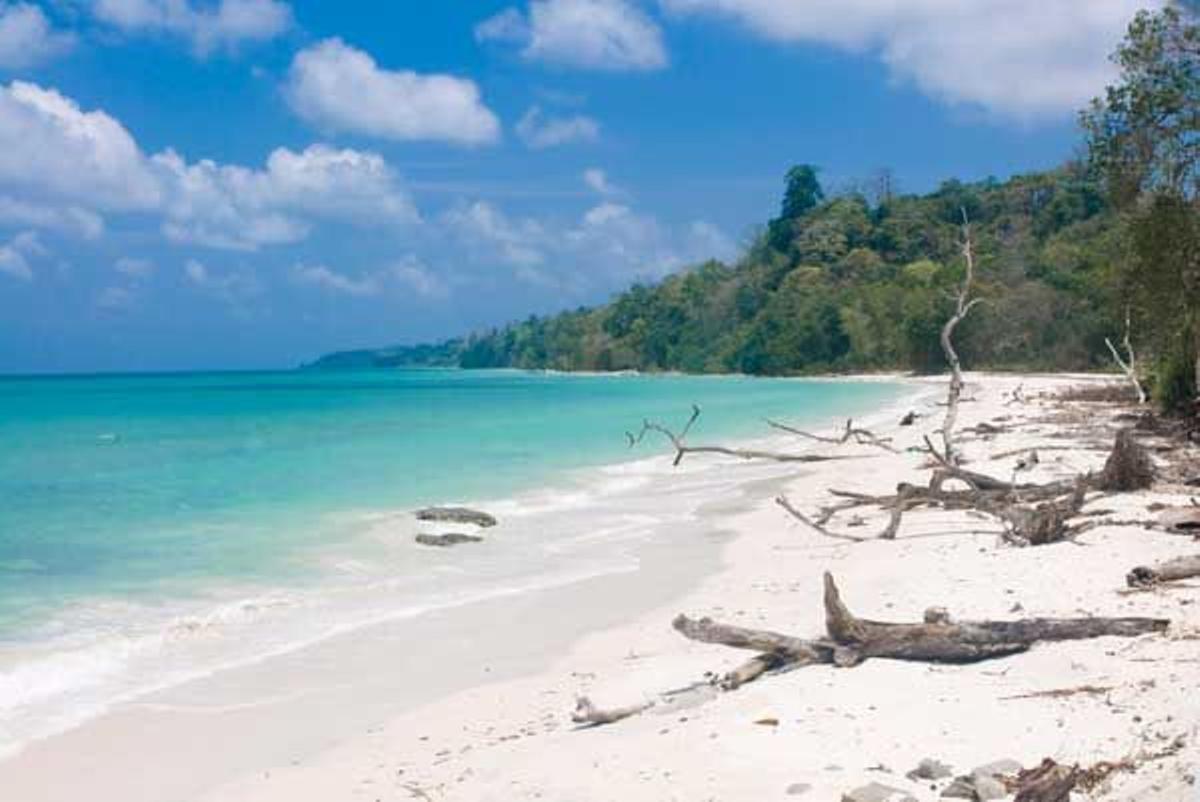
(474, 703)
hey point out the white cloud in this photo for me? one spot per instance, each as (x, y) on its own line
(134, 267)
(232, 287)
(596, 34)
(418, 278)
(60, 166)
(487, 229)
(336, 86)
(539, 131)
(1020, 58)
(235, 207)
(67, 219)
(597, 181)
(609, 245)
(321, 276)
(16, 253)
(27, 37)
(227, 24)
(49, 147)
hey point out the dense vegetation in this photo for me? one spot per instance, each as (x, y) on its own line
(849, 283)
(861, 280)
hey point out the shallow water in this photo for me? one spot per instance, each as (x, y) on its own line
(157, 528)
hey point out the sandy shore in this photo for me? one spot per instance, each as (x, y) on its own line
(505, 680)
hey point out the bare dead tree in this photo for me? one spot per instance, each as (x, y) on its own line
(963, 304)
(678, 441)
(1128, 364)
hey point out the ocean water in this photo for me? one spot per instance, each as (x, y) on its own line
(155, 528)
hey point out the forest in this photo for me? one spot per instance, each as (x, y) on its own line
(1105, 246)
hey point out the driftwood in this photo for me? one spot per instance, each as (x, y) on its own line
(1144, 576)
(850, 640)
(588, 715)
(1032, 514)
(679, 442)
(850, 432)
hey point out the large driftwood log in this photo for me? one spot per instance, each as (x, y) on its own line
(1144, 576)
(850, 640)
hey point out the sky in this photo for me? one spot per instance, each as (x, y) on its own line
(202, 184)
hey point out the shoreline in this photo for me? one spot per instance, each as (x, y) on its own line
(226, 699)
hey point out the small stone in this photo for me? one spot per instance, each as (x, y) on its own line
(929, 769)
(961, 788)
(449, 539)
(989, 788)
(795, 789)
(997, 768)
(458, 515)
(877, 792)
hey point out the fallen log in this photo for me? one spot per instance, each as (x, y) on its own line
(1144, 576)
(939, 639)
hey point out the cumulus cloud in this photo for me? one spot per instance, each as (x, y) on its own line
(233, 287)
(415, 276)
(66, 219)
(27, 38)
(16, 253)
(336, 86)
(60, 167)
(207, 27)
(1020, 58)
(321, 276)
(606, 247)
(235, 207)
(49, 147)
(539, 131)
(594, 34)
(597, 181)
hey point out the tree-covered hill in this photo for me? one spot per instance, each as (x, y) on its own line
(847, 283)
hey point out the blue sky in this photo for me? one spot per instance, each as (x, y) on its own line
(249, 183)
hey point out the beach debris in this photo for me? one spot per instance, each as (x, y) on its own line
(850, 640)
(1170, 571)
(457, 515)
(878, 792)
(1184, 520)
(769, 721)
(588, 715)
(679, 442)
(909, 418)
(989, 781)
(796, 789)
(448, 539)
(849, 432)
(1129, 466)
(930, 769)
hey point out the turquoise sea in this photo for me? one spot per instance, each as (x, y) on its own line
(153, 527)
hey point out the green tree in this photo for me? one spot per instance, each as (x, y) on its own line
(802, 194)
(1144, 139)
